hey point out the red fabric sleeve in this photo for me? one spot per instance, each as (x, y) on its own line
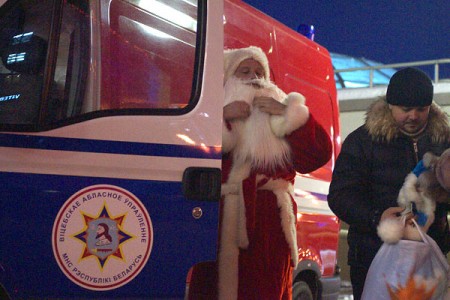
(311, 146)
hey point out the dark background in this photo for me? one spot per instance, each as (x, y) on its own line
(386, 31)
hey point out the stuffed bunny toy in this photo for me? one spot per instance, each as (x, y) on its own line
(426, 185)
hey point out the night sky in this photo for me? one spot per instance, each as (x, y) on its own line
(386, 31)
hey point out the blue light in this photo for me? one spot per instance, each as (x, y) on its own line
(306, 30)
(9, 97)
(15, 58)
(22, 38)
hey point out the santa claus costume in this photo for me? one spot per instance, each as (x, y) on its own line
(261, 154)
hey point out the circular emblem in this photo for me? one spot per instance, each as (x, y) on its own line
(102, 237)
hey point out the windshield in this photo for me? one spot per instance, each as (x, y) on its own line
(108, 57)
(24, 36)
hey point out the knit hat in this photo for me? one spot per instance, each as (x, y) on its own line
(410, 87)
(443, 170)
(233, 57)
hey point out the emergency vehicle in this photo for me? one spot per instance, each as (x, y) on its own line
(110, 145)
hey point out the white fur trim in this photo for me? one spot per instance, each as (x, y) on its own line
(288, 223)
(282, 190)
(228, 267)
(391, 230)
(229, 138)
(272, 151)
(238, 89)
(408, 193)
(233, 57)
(242, 240)
(229, 188)
(296, 115)
(232, 235)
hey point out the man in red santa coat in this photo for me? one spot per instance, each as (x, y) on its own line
(267, 137)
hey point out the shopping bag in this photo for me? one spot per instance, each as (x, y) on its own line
(408, 270)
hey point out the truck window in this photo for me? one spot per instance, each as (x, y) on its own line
(104, 57)
(149, 46)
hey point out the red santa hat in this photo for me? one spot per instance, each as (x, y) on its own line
(233, 57)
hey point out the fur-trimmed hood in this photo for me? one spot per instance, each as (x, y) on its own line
(381, 125)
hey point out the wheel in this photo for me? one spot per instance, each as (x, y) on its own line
(301, 291)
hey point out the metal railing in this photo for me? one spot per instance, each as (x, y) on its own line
(371, 69)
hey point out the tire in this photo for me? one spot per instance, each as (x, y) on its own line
(301, 291)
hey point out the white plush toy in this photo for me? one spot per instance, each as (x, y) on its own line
(425, 186)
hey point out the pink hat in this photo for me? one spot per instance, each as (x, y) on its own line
(233, 57)
(443, 170)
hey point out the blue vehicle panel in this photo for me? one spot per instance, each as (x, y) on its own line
(32, 204)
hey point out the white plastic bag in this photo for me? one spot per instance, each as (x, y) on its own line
(408, 270)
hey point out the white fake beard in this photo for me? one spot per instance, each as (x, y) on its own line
(256, 143)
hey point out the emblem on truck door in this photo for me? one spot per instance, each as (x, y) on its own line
(102, 237)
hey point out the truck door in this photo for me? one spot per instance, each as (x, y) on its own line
(110, 146)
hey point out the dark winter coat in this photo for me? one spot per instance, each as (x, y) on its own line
(370, 170)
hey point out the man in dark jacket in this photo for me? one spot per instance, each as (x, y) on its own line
(376, 158)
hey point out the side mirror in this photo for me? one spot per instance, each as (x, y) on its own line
(25, 53)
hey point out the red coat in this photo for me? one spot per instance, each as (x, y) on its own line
(265, 266)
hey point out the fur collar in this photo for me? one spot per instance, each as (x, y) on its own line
(382, 128)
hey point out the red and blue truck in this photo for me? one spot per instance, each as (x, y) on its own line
(110, 145)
